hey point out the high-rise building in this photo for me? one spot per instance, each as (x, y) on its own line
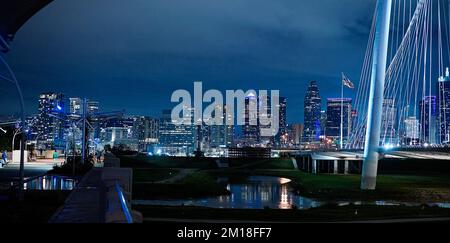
(221, 135)
(313, 104)
(120, 132)
(146, 131)
(444, 108)
(388, 119)
(76, 106)
(250, 129)
(323, 121)
(257, 108)
(412, 129)
(295, 134)
(428, 120)
(282, 131)
(333, 127)
(92, 106)
(50, 129)
(174, 139)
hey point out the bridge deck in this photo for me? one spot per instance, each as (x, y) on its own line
(355, 156)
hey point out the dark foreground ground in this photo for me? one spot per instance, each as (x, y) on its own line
(37, 207)
(184, 178)
(321, 214)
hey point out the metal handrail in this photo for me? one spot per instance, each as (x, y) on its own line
(123, 203)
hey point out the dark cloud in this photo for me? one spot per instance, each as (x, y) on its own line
(133, 54)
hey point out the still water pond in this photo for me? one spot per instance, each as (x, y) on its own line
(51, 182)
(255, 192)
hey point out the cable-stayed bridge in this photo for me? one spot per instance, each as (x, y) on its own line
(404, 86)
(414, 109)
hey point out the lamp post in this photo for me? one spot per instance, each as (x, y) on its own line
(13, 80)
(17, 131)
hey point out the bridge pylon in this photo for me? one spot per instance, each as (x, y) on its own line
(378, 74)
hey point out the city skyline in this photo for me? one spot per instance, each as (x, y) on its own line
(222, 119)
(87, 65)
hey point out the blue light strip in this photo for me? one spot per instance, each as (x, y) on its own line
(125, 209)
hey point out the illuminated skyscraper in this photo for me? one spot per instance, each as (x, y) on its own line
(388, 120)
(428, 120)
(282, 131)
(412, 128)
(250, 129)
(444, 108)
(176, 139)
(50, 130)
(221, 135)
(146, 131)
(76, 106)
(313, 104)
(333, 127)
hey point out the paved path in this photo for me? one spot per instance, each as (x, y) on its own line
(10, 172)
(86, 203)
(181, 175)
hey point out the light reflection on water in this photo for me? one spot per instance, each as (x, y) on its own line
(51, 182)
(257, 192)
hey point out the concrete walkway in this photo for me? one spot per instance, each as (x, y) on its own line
(10, 172)
(87, 202)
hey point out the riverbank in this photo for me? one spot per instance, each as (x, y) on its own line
(329, 187)
(193, 185)
(201, 181)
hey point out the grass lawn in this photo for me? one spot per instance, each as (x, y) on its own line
(407, 188)
(194, 185)
(389, 187)
(326, 213)
(152, 175)
(275, 164)
(143, 161)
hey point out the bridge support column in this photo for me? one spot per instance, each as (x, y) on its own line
(346, 167)
(379, 59)
(294, 163)
(314, 166)
(336, 167)
(308, 166)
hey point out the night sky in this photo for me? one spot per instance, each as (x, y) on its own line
(133, 54)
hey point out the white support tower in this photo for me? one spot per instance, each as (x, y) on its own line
(378, 74)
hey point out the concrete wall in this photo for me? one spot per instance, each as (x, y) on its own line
(16, 156)
(97, 198)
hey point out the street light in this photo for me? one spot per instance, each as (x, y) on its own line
(17, 131)
(14, 81)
